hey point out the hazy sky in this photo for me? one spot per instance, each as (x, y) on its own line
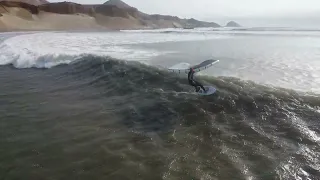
(224, 10)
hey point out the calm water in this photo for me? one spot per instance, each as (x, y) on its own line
(72, 108)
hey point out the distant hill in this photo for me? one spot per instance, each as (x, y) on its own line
(117, 3)
(196, 23)
(233, 24)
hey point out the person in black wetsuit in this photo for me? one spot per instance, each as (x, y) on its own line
(194, 83)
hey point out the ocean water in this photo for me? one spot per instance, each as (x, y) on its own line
(101, 105)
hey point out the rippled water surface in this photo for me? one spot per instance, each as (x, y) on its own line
(102, 106)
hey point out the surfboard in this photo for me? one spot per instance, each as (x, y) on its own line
(210, 90)
(185, 67)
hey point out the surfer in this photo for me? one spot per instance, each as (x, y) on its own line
(194, 83)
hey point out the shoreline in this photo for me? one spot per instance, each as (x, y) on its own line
(77, 30)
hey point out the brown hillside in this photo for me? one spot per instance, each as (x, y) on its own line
(32, 2)
(114, 14)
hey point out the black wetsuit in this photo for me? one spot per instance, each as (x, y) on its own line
(194, 83)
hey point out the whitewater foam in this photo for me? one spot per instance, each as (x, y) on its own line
(50, 49)
(282, 61)
(223, 31)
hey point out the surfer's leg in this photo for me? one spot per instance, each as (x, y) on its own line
(203, 88)
(199, 84)
(194, 84)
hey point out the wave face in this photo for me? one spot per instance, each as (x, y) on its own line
(101, 118)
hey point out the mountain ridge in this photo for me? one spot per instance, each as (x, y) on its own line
(112, 15)
(232, 24)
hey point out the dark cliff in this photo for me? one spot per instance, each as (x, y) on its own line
(118, 4)
(92, 10)
(31, 2)
(66, 8)
(31, 8)
(114, 11)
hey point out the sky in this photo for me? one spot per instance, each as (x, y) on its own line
(272, 12)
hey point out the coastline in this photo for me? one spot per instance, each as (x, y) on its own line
(9, 23)
(20, 16)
